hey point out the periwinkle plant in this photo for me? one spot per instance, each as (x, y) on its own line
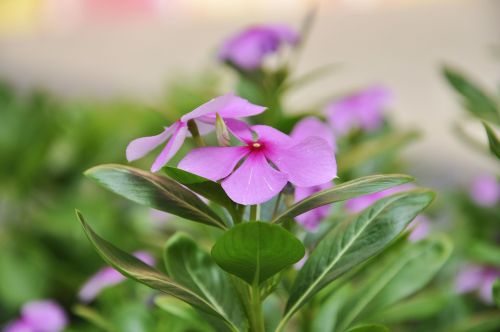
(253, 186)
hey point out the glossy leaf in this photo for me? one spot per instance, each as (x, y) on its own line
(493, 140)
(359, 187)
(195, 269)
(402, 274)
(154, 191)
(135, 269)
(475, 99)
(354, 241)
(255, 251)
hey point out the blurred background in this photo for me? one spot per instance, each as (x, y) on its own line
(81, 78)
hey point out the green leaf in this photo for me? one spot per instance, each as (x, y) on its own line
(207, 188)
(93, 317)
(135, 269)
(493, 141)
(255, 251)
(195, 269)
(154, 191)
(354, 241)
(476, 101)
(183, 311)
(359, 187)
(402, 274)
(496, 292)
(370, 328)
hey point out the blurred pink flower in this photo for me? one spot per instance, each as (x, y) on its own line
(107, 277)
(309, 162)
(305, 128)
(357, 204)
(485, 190)
(363, 110)
(229, 107)
(39, 316)
(420, 228)
(248, 48)
(477, 278)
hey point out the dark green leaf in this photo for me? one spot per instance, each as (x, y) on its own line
(354, 241)
(135, 269)
(475, 99)
(255, 251)
(195, 269)
(493, 141)
(154, 191)
(402, 274)
(207, 188)
(359, 187)
(496, 292)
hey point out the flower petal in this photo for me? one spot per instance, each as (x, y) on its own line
(254, 182)
(173, 145)
(228, 106)
(311, 219)
(272, 136)
(213, 163)
(44, 315)
(139, 147)
(312, 126)
(309, 163)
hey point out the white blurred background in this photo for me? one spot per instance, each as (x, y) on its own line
(108, 48)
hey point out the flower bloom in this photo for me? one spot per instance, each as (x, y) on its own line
(312, 127)
(107, 277)
(363, 110)
(485, 190)
(39, 316)
(248, 48)
(477, 278)
(306, 163)
(229, 107)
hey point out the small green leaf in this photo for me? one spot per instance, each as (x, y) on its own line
(475, 99)
(493, 140)
(359, 187)
(496, 292)
(135, 269)
(195, 269)
(255, 251)
(353, 242)
(369, 328)
(207, 188)
(154, 191)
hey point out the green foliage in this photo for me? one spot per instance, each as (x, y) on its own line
(493, 141)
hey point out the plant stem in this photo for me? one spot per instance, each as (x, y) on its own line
(257, 318)
(254, 212)
(277, 205)
(193, 129)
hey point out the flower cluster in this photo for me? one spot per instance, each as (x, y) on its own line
(39, 316)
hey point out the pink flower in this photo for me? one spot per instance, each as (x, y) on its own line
(248, 48)
(485, 190)
(229, 107)
(420, 228)
(360, 110)
(107, 277)
(312, 127)
(306, 163)
(477, 278)
(357, 204)
(39, 316)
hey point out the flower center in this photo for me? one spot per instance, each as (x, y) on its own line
(256, 145)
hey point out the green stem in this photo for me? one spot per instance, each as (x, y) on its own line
(254, 212)
(257, 318)
(277, 205)
(193, 129)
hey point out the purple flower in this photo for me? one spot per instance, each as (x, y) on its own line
(306, 163)
(420, 228)
(107, 277)
(485, 190)
(39, 316)
(305, 128)
(477, 278)
(360, 110)
(229, 107)
(357, 204)
(248, 48)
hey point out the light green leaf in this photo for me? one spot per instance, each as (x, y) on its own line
(135, 269)
(370, 328)
(353, 242)
(154, 191)
(493, 140)
(402, 274)
(475, 99)
(359, 187)
(195, 269)
(255, 251)
(183, 311)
